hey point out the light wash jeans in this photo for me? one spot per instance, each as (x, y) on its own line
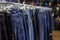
(30, 25)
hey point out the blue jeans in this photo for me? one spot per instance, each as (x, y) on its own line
(30, 26)
(17, 19)
(42, 24)
(45, 25)
(36, 25)
(26, 26)
(48, 23)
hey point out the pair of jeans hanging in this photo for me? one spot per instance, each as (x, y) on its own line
(48, 28)
(17, 19)
(7, 32)
(52, 20)
(2, 26)
(35, 24)
(49, 25)
(25, 26)
(30, 25)
(42, 20)
(9, 27)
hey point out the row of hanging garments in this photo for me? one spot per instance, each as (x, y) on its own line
(19, 23)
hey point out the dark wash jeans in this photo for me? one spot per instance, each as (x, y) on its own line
(48, 27)
(6, 30)
(2, 26)
(35, 24)
(9, 26)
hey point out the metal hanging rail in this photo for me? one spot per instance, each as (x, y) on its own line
(26, 5)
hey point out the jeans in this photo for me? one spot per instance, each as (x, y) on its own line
(35, 25)
(9, 27)
(26, 26)
(49, 25)
(42, 25)
(2, 26)
(17, 19)
(30, 26)
(7, 32)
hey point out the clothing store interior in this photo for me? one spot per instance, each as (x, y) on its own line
(29, 19)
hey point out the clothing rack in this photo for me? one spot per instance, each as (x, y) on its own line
(18, 23)
(25, 5)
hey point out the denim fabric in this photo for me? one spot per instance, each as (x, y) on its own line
(52, 20)
(48, 19)
(50, 25)
(32, 15)
(17, 19)
(45, 25)
(9, 26)
(26, 26)
(2, 26)
(48, 28)
(31, 12)
(30, 26)
(35, 25)
(42, 24)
